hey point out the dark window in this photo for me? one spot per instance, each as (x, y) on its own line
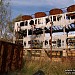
(29, 31)
(36, 21)
(46, 42)
(58, 43)
(31, 22)
(54, 18)
(29, 42)
(63, 42)
(47, 20)
(35, 40)
(54, 42)
(68, 17)
(26, 23)
(24, 32)
(24, 43)
(59, 17)
(73, 17)
(22, 24)
(40, 21)
(51, 18)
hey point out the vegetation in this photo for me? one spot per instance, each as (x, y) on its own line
(18, 18)
(5, 20)
(49, 68)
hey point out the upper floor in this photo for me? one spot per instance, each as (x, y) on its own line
(41, 20)
(58, 20)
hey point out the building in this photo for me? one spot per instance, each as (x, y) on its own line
(35, 32)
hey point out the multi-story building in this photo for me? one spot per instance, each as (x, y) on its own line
(35, 32)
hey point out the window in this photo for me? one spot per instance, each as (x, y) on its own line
(63, 43)
(54, 42)
(29, 31)
(24, 32)
(73, 16)
(29, 42)
(46, 42)
(24, 43)
(22, 24)
(40, 21)
(68, 17)
(59, 43)
(36, 21)
(47, 20)
(54, 18)
(20, 36)
(59, 17)
(31, 22)
(17, 24)
(51, 18)
(26, 23)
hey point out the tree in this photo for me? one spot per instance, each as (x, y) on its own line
(17, 19)
(5, 17)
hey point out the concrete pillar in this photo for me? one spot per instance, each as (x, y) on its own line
(56, 18)
(64, 37)
(27, 44)
(43, 38)
(64, 53)
(27, 32)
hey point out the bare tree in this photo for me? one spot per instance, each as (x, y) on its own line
(5, 17)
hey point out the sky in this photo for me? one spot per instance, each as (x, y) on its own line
(29, 7)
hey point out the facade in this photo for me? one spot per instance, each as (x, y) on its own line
(36, 32)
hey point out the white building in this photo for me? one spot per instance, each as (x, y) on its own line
(38, 29)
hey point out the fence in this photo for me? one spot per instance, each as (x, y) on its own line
(11, 56)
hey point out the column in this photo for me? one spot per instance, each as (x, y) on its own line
(27, 32)
(43, 37)
(65, 37)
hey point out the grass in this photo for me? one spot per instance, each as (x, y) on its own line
(49, 68)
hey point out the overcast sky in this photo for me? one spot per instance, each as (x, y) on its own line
(28, 7)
